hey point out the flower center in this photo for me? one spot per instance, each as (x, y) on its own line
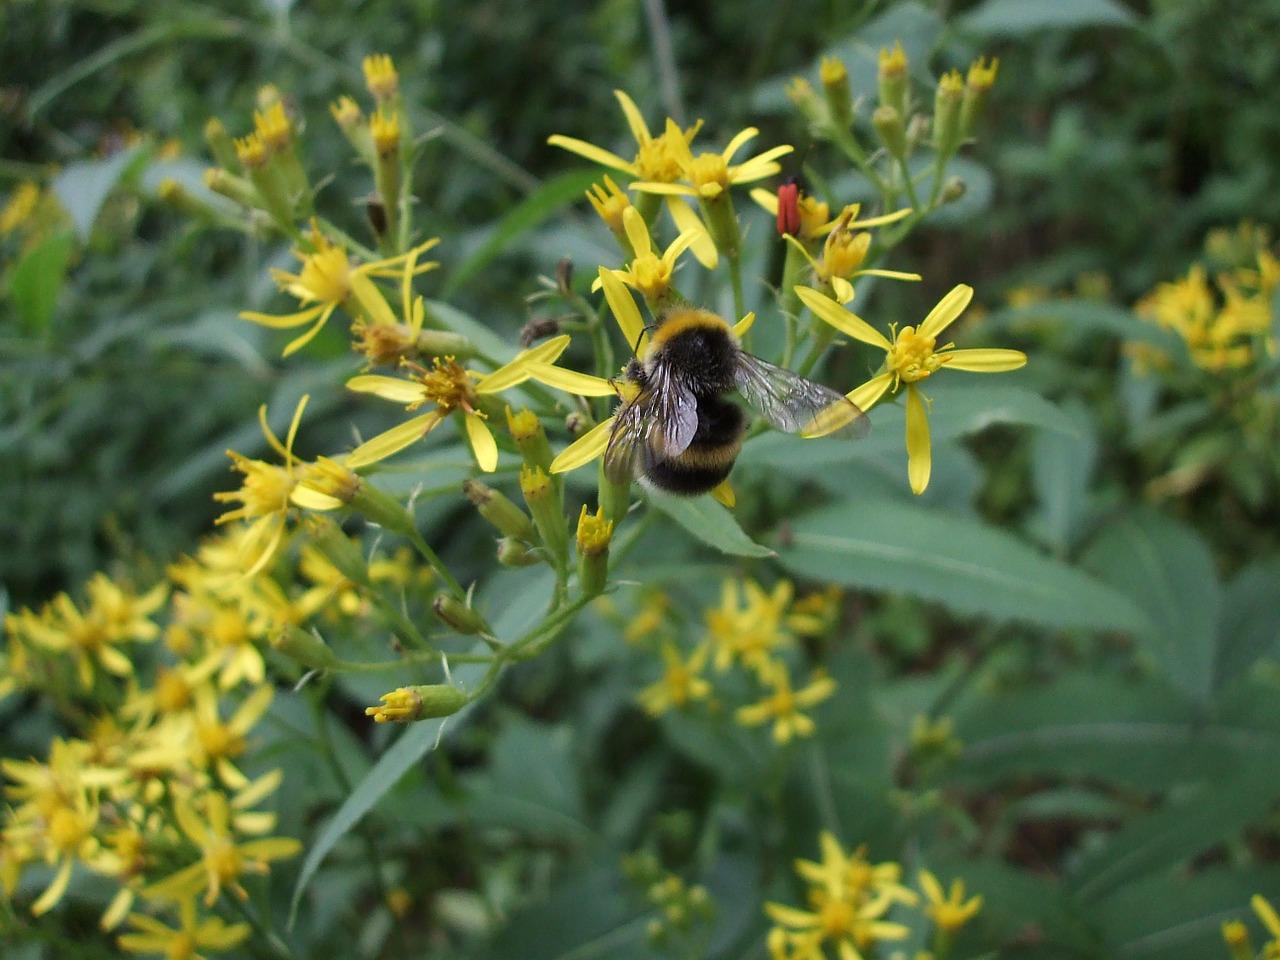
(844, 252)
(836, 918)
(181, 947)
(709, 174)
(912, 357)
(326, 275)
(219, 740)
(657, 162)
(68, 829)
(651, 274)
(265, 489)
(447, 385)
(223, 859)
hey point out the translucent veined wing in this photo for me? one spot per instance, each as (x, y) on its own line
(795, 404)
(659, 423)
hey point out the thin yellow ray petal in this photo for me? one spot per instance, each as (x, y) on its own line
(880, 220)
(53, 893)
(919, 456)
(517, 370)
(988, 360)
(393, 440)
(745, 324)
(667, 189)
(723, 492)
(585, 449)
(389, 388)
(593, 153)
(842, 288)
(947, 309)
(868, 395)
(570, 381)
(482, 443)
(297, 343)
(890, 274)
(373, 304)
(742, 138)
(303, 496)
(624, 310)
(289, 319)
(635, 120)
(292, 435)
(767, 199)
(843, 320)
(637, 231)
(704, 248)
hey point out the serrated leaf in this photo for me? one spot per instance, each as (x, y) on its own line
(1176, 832)
(415, 743)
(969, 567)
(1167, 570)
(1017, 17)
(710, 522)
(38, 278)
(82, 186)
(548, 199)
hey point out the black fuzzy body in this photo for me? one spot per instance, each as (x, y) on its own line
(710, 456)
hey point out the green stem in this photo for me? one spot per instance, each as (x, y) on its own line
(436, 564)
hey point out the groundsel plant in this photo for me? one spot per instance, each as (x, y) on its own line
(320, 569)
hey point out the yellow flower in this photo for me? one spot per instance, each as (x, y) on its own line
(783, 705)
(852, 875)
(328, 280)
(852, 929)
(267, 491)
(182, 942)
(709, 175)
(911, 356)
(223, 860)
(951, 911)
(649, 273)
(681, 682)
(217, 742)
(749, 626)
(449, 387)
(845, 248)
(380, 77)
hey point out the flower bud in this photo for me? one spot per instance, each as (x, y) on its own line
(893, 78)
(976, 87)
(220, 145)
(339, 549)
(304, 646)
(457, 614)
(530, 439)
(946, 114)
(544, 503)
(500, 511)
(953, 190)
(835, 84)
(801, 93)
(233, 187)
(594, 534)
(517, 553)
(407, 704)
(892, 133)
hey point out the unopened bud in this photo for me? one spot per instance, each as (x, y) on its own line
(564, 276)
(530, 438)
(594, 534)
(544, 503)
(339, 549)
(305, 647)
(953, 190)
(538, 328)
(220, 145)
(517, 553)
(457, 614)
(893, 78)
(835, 84)
(976, 87)
(946, 114)
(499, 510)
(407, 704)
(233, 187)
(892, 133)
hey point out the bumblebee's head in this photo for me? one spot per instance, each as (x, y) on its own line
(697, 347)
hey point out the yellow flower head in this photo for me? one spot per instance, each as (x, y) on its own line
(273, 127)
(782, 705)
(982, 75)
(251, 151)
(950, 911)
(384, 129)
(610, 203)
(708, 175)
(380, 77)
(911, 356)
(656, 159)
(193, 933)
(681, 684)
(649, 273)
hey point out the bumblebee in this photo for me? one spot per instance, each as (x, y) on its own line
(680, 433)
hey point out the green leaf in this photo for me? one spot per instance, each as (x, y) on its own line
(1178, 831)
(1249, 627)
(1061, 469)
(969, 567)
(37, 280)
(1167, 570)
(1017, 17)
(1079, 316)
(537, 207)
(957, 409)
(82, 186)
(710, 522)
(1166, 917)
(1086, 725)
(415, 743)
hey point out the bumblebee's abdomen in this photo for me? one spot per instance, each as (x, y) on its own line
(710, 456)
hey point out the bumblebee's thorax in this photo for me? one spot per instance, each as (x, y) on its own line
(697, 347)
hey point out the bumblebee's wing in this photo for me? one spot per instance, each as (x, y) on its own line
(797, 405)
(660, 422)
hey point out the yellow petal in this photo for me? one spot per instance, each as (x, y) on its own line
(948, 308)
(624, 310)
(639, 129)
(288, 319)
(592, 153)
(866, 396)
(637, 231)
(985, 360)
(373, 304)
(393, 440)
(516, 371)
(919, 456)
(582, 384)
(389, 388)
(767, 199)
(585, 449)
(482, 443)
(53, 893)
(704, 248)
(666, 189)
(843, 320)
(745, 324)
(303, 496)
(723, 492)
(741, 139)
(881, 220)
(842, 288)
(890, 274)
